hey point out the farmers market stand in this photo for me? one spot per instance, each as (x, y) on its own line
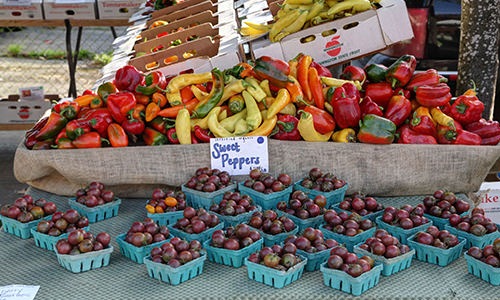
(25, 263)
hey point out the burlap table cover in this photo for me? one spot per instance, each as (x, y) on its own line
(380, 170)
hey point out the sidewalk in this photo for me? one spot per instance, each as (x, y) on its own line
(10, 188)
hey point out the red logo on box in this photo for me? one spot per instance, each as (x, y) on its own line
(333, 47)
(24, 113)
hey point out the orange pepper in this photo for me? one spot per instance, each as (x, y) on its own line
(138, 111)
(171, 112)
(84, 100)
(142, 99)
(295, 90)
(316, 87)
(152, 111)
(302, 75)
(159, 98)
(96, 102)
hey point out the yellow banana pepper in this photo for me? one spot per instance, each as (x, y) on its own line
(241, 127)
(183, 126)
(335, 82)
(307, 131)
(182, 80)
(289, 109)
(229, 122)
(214, 125)
(266, 127)
(282, 100)
(254, 117)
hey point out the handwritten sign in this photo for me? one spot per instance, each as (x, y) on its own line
(490, 200)
(18, 292)
(239, 155)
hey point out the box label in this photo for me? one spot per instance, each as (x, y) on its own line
(239, 155)
(490, 202)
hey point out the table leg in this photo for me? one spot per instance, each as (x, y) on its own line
(69, 57)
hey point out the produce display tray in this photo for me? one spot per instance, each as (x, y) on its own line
(473, 240)
(390, 265)
(167, 218)
(201, 237)
(344, 282)
(266, 201)
(98, 213)
(175, 276)
(435, 255)
(134, 253)
(85, 261)
(348, 241)
(273, 277)
(398, 232)
(233, 258)
(332, 197)
(482, 270)
(199, 199)
(22, 230)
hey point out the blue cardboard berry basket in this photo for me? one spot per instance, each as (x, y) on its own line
(314, 260)
(175, 276)
(238, 219)
(389, 265)
(348, 241)
(199, 199)
(473, 240)
(271, 239)
(22, 230)
(482, 270)
(314, 222)
(202, 236)
(97, 213)
(273, 277)
(86, 261)
(332, 197)
(233, 258)
(166, 218)
(266, 201)
(134, 253)
(435, 255)
(48, 242)
(344, 282)
(371, 216)
(401, 234)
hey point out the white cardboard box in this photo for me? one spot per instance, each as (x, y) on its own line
(117, 9)
(31, 11)
(22, 112)
(70, 9)
(346, 38)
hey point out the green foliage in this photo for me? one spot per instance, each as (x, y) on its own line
(103, 58)
(14, 50)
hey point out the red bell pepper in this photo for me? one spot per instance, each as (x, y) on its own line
(380, 92)
(467, 109)
(354, 73)
(484, 128)
(99, 119)
(492, 140)
(428, 77)
(162, 124)
(410, 136)
(274, 70)
(400, 90)
(322, 70)
(54, 124)
(153, 82)
(119, 104)
(433, 95)
(117, 136)
(202, 135)
(422, 122)
(88, 140)
(323, 121)
(43, 145)
(77, 127)
(132, 125)
(465, 137)
(368, 106)
(345, 105)
(400, 72)
(447, 134)
(286, 128)
(30, 135)
(67, 109)
(64, 143)
(172, 136)
(398, 109)
(127, 78)
(376, 130)
(61, 135)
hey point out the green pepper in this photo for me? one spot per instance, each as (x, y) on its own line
(204, 107)
(274, 70)
(374, 129)
(153, 137)
(375, 72)
(54, 125)
(106, 89)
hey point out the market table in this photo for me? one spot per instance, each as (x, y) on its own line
(24, 263)
(71, 55)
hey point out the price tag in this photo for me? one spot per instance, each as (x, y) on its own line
(239, 155)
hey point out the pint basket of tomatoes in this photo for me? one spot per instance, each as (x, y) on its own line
(166, 207)
(95, 202)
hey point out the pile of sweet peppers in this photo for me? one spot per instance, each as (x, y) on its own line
(296, 100)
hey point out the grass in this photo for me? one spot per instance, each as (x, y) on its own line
(15, 50)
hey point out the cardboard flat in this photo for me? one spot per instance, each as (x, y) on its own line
(77, 9)
(117, 9)
(33, 11)
(22, 112)
(186, 12)
(170, 9)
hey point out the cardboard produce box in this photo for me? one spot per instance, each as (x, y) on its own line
(15, 111)
(178, 6)
(24, 11)
(185, 12)
(117, 9)
(344, 39)
(70, 9)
